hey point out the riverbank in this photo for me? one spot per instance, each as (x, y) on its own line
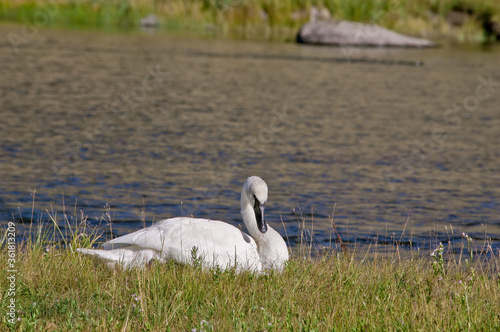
(49, 286)
(447, 20)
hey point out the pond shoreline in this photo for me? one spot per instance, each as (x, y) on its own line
(474, 22)
(339, 290)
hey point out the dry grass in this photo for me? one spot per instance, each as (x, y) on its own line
(268, 19)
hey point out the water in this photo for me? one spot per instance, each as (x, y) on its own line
(85, 124)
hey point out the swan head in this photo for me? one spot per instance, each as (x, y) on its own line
(254, 196)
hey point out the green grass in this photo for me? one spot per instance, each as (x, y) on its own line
(244, 18)
(355, 290)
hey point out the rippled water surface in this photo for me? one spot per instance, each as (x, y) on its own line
(158, 126)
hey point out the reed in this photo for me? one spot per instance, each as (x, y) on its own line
(321, 289)
(261, 19)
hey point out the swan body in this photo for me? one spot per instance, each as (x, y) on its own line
(211, 243)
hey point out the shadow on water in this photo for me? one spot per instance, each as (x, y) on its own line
(341, 60)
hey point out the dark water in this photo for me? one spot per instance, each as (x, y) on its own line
(157, 126)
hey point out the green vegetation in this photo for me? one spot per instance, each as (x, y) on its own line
(459, 20)
(59, 289)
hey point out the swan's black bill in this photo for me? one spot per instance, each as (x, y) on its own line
(258, 208)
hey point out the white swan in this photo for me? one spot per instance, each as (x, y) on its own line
(210, 242)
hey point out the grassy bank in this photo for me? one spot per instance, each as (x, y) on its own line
(458, 20)
(58, 289)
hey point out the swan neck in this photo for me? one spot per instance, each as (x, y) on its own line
(248, 214)
(250, 221)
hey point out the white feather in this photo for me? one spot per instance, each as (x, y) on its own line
(211, 243)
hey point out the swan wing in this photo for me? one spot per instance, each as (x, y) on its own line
(214, 243)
